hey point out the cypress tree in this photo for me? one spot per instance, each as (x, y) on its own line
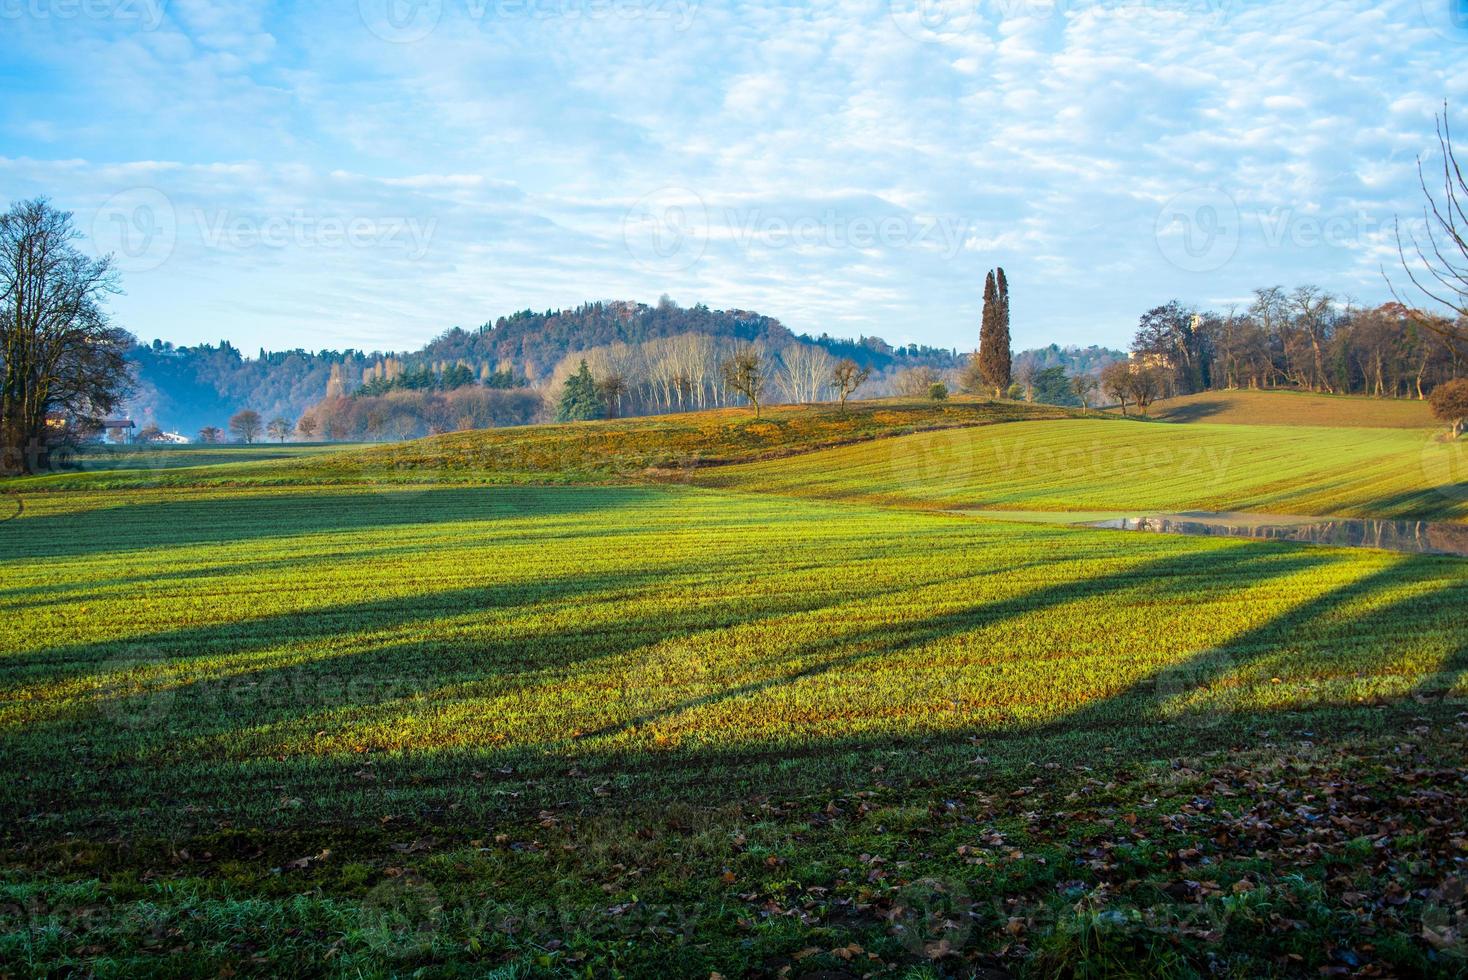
(994, 354)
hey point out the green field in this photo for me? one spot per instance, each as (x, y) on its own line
(486, 703)
(1105, 465)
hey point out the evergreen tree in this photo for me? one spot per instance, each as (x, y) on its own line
(995, 361)
(581, 400)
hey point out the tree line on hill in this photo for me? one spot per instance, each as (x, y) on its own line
(1302, 339)
(188, 388)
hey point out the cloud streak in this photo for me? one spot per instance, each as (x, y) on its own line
(285, 175)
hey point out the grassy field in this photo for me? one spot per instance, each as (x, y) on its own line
(775, 726)
(1109, 465)
(664, 447)
(1296, 408)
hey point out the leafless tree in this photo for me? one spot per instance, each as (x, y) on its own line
(804, 372)
(915, 382)
(1084, 386)
(246, 425)
(1437, 263)
(59, 354)
(743, 372)
(846, 377)
(1116, 383)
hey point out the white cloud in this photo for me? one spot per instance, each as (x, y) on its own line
(1051, 134)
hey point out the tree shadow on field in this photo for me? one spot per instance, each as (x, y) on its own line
(1130, 714)
(1334, 638)
(1171, 575)
(183, 520)
(1193, 411)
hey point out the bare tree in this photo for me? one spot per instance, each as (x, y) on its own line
(743, 372)
(1312, 319)
(245, 425)
(804, 372)
(1025, 373)
(846, 377)
(1116, 383)
(279, 429)
(306, 427)
(59, 354)
(1084, 386)
(1147, 384)
(1438, 266)
(915, 382)
(613, 388)
(211, 434)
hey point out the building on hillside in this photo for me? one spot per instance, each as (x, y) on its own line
(1139, 362)
(118, 430)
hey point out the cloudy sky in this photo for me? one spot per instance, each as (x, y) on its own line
(283, 175)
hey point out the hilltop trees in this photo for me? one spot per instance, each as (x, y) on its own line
(59, 353)
(1173, 335)
(995, 359)
(580, 401)
(245, 425)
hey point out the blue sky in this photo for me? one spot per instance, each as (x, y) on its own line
(367, 175)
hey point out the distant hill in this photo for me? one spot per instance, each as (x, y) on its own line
(183, 389)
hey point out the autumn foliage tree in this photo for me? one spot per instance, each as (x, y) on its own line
(1450, 403)
(995, 359)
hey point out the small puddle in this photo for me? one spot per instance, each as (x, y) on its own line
(1416, 537)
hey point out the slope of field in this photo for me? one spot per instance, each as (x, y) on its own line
(1095, 465)
(579, 452)
(584, 730)
(1245, 407)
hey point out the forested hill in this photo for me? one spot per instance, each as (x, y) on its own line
(183, 389)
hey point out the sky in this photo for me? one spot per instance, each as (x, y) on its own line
(369, 173)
